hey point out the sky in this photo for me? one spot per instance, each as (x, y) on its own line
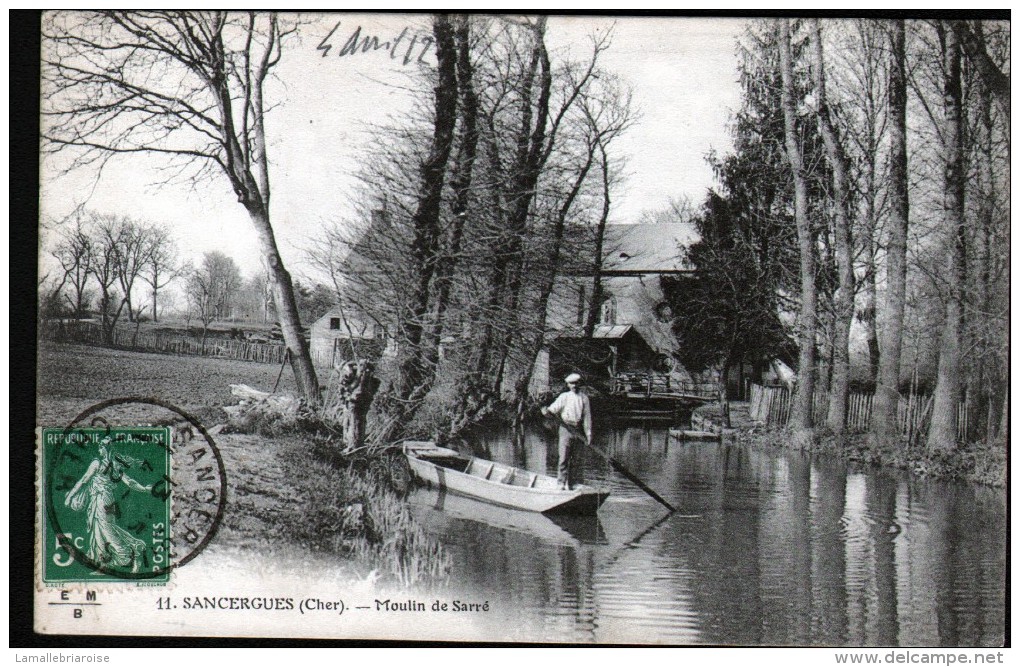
(683, 73)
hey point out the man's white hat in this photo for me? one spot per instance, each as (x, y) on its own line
(573, 377)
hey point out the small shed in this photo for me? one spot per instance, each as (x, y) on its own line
(612, 349)
(340, 332)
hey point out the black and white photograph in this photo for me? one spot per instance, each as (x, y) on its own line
(525, 329)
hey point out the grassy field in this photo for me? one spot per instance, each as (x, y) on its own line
(73, 377)
(284, 492)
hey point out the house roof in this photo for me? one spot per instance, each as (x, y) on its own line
(648, 248)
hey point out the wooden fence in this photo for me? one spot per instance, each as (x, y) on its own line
(771, 405)
(167, 343)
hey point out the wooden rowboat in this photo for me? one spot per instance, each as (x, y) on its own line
(498, 483)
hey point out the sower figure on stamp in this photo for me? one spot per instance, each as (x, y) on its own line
(574, 410)
(109, 544)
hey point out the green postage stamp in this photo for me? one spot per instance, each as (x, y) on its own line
(106, 504)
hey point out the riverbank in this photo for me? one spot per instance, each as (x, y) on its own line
(978, 463)
(293, 490)
(286, 491)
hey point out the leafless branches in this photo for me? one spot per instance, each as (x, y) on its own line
(186, 85)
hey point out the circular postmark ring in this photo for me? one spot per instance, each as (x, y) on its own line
(199, 546)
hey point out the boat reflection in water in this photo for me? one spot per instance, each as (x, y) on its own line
(439, 509)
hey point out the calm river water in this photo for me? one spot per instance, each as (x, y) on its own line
(767, 548)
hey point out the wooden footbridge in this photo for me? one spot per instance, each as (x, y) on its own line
(657, 395)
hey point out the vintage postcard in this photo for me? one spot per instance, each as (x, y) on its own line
(523, 328)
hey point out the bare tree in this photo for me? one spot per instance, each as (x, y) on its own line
(843, 300)
(129, 240)
(211, 288)
(255, 300)
(463, 172)
(49, 289)
(537, 199)
(602, 113)
(800, 416)
(417, 365)
(186, 85)
(74, 252)
(973, 45)
(884, 425)
(105, 268)
(200, 300)
(943, 432)
(473, 277)
(609, 177)
(863, 85)
(161, 265)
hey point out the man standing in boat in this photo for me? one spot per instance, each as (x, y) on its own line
(574, 410)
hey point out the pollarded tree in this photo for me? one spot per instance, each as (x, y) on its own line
(189, 86)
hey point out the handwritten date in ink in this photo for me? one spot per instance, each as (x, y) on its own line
(357, 43)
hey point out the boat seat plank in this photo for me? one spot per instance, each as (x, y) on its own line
(504, 485)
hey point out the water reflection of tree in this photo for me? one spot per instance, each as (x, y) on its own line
(881, 498)
(727, 559)
(828, 552)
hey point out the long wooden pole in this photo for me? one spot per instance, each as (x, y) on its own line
(619, 467)
(631, 476)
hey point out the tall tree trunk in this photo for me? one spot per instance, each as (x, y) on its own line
(242, 163)
(418, 362)
(942, 435)
(130, 309)
(530, 158)
(155, 313)
(994, 78)
(104, 306)
(550, 269)
(461, 180)
(986, 371)
(600, 238)
(884, 427)
(155, 289)
(867, 314)
(843, 301)
(801, 418)
(868, 311)
(460, 183)
(286, 306)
